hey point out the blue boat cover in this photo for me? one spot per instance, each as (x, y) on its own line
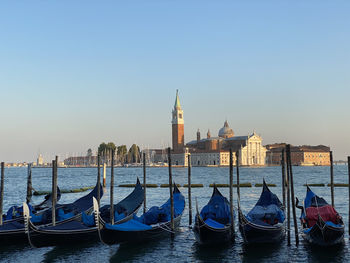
(63, 216)
(17, 211)
(162, 214)
(71, 225)
(36, 218)
(125, 207)
(270, 214)
(330, 223)
(153, 216)
(11, 226)
(312, 199)
(218, 208)
(268, 210)
(66, 211)
(88, 220)
(213, 223)
(316, 207)
(131, 225)
(14, 212)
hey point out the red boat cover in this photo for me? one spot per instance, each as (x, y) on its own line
(327, 213)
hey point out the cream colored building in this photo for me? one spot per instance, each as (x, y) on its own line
(212, 151)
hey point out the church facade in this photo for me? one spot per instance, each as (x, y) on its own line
(213, 151)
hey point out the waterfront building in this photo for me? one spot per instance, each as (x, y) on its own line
(40, 160)
(305, 155)
(211, 150)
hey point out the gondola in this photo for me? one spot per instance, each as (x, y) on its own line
(265, 223)
(13, 231)
(213, 223)
(321, 224)
(84, 230)
(152, 225)
(15, 213)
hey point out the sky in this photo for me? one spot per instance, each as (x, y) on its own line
(74, 74)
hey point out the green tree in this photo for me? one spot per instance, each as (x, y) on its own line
(89, 156)
(121, 152)
(134, 154)
(105, 150)
(89, 153)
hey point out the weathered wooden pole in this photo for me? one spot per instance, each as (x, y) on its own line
(98, 179)
(288, 200)
(171, 193)
(104, 174)
(54, 190)
(237, 170)
(283, 179)
(29, 183)
(292, 197)
(144, 182)
(2, 190)
(189, 190)
(349, 191)
(231, 191)
(332, 177)
(111, 209)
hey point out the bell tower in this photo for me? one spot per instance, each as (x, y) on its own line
(178, 126)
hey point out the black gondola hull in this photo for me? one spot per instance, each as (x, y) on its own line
(205, 234)
(45, 238)
(324, 235)
(321, 233)
(110, 236)
(18, 236)
(13, 237)
(252, 233)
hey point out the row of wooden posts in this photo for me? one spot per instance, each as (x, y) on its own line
(287, 187)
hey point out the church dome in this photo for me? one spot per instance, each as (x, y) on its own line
(226, 131)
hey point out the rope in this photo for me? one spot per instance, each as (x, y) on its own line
(165, 228)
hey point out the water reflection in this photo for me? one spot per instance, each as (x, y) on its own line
(211, 253)
(68, 252)
(261, 252)
(184, 247)
(325, 254)
(7, 250)
(133, 251)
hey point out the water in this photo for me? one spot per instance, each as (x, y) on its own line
(183, 248)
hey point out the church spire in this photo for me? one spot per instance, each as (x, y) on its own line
(177, 105)
(178, 126)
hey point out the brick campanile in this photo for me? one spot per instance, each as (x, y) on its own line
(178, 126)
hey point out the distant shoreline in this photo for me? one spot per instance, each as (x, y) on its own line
(177, 166)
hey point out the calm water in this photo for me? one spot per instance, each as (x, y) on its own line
(183, 248)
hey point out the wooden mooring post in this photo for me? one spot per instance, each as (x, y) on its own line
(98, 179)
(332, 177)
(144, 182)
(349, 192)
(54, 189)
(283, 179)
(288, 201)
(2, 190)
(237, 171)
(111, 209)
(231, 191)
(292, 195)
(171, 194)
(189, 190)
(29, 183)
(104, 174)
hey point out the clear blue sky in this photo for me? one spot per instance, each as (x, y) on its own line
(76, 73)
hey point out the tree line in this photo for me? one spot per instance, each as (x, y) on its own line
(122, 155)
